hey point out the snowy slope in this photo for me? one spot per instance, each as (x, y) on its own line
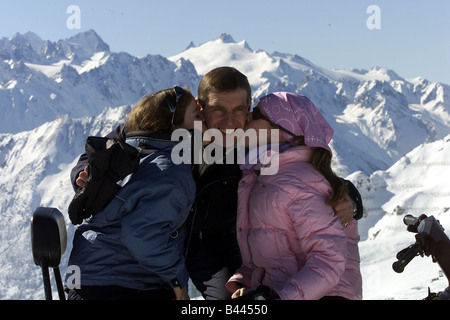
(417, 184)
(391, 139)
(35, 172)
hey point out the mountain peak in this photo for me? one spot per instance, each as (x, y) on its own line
(389, 74)
(89, 40)
(226, 38)
(28, 38)
(191, 45)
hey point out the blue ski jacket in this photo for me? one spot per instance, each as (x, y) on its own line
(137, 240)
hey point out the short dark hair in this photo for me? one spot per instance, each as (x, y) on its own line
(223, 79)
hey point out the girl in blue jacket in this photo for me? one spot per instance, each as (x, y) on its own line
(133, 248)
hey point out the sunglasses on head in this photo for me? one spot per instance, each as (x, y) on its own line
(179, 92)
(258, 115)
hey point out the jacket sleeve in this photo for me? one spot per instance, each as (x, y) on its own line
(242, 277)
(151, 231)
(323, 240)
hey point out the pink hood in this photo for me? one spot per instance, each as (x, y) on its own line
(300, 116)
(290, 240)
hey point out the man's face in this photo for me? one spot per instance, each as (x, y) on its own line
(226, 111)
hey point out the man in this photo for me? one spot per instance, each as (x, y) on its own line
(212, 252)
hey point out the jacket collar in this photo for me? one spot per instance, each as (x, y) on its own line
(150, 140)
(256, 157)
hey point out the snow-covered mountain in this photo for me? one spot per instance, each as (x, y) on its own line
(40, 80)
(391, 138)
(389, 115)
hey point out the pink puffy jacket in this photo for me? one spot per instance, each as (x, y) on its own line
(290, 240)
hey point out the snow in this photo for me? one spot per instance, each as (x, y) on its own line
(415, 185)
(214, 54)
(391, 140)
(49, 70)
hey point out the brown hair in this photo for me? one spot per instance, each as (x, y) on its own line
(321, 161)
(152, 112)
(223, 79)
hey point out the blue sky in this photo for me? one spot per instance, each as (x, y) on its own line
(413, 39)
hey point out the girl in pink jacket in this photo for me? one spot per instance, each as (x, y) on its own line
(290, 239)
